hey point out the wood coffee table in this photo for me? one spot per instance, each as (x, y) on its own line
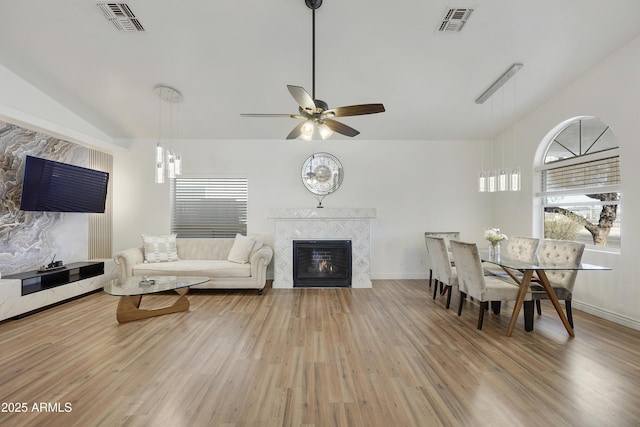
(131, 289)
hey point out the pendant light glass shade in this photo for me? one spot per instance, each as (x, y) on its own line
(514, 179)
(159, 172)
(482, 182)
(502, 180)
(492, 184)
(159, 153)
(171, 165)
(178, 164)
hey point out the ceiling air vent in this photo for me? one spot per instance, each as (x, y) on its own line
(121, 16)
(454, 19)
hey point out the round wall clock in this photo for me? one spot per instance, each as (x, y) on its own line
(322, 174)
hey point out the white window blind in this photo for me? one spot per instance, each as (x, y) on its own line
(583, 176)
(209, 207)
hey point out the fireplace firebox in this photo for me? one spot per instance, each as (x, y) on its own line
(322, 263)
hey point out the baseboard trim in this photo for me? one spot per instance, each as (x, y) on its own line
(606, 314)
(416, 276)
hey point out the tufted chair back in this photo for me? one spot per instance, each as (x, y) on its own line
(523, 249)
(561, 253)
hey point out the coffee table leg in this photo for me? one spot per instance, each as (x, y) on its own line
(128, 308)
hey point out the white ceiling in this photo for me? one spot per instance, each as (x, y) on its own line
(231, 57)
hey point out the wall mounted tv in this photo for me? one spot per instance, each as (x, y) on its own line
(60, 187)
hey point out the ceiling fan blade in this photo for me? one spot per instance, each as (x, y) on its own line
(302, 97)
(296, 132)
(355, 110)
(340, 127)
(293, 116)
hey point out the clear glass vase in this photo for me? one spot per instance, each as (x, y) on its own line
(494, 250)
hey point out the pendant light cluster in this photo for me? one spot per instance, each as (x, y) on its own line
(168, 161)
(499, 180)
(502, 179)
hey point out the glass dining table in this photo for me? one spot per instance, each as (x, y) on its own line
(522, 273)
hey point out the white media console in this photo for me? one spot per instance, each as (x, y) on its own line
(25, 292)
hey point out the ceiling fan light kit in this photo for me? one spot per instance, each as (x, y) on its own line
(318, 118)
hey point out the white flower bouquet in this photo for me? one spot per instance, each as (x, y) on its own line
(494, 236)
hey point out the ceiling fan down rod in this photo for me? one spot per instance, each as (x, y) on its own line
(313, 54)
(313, 5)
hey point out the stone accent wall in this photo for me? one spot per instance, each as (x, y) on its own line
(30, 239)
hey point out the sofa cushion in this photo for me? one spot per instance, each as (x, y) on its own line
(160, 248)
(194, 267)
(241, 249)
(204, 248)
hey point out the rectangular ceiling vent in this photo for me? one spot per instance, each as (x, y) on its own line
(455, 19)
(121, 16)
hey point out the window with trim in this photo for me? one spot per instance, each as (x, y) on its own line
(580, 185)
(209, 207)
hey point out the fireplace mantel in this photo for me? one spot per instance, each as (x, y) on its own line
(323, 213)
(322, 223)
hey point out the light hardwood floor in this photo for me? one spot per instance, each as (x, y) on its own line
(387, 356)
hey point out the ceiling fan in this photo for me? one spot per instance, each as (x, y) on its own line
(315, 113)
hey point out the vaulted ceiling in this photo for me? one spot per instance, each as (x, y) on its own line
(233, 57)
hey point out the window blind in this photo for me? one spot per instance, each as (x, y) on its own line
(582, 176)
(209, 207)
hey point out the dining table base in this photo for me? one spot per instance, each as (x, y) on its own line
(524, 287)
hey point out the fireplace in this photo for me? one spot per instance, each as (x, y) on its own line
(352, 224)
(322, 263)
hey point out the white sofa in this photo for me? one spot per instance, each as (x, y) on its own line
(202, 257)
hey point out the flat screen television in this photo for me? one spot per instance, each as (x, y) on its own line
(59, 187)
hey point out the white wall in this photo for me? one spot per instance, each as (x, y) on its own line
(610, 92)
(23, 104)
(416, 186)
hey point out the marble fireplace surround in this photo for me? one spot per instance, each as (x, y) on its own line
(324, 223)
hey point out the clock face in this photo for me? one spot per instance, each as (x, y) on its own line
(322, 173)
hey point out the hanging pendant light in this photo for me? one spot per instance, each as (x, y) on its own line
(159, 178)
(503, 179)
(178, 164)
(514, 179)
(492, 182)
(482, 182)
(168, 162)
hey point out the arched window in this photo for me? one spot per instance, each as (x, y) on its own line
(580, 184)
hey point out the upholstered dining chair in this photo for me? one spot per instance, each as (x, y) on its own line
(443, 272)
(523, 249)
(447, 235)
(558, 253)
(473, 282)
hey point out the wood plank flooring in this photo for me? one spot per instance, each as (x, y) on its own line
(387, 356)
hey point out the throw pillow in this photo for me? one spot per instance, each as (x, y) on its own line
(160, 248)
(241, 249)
